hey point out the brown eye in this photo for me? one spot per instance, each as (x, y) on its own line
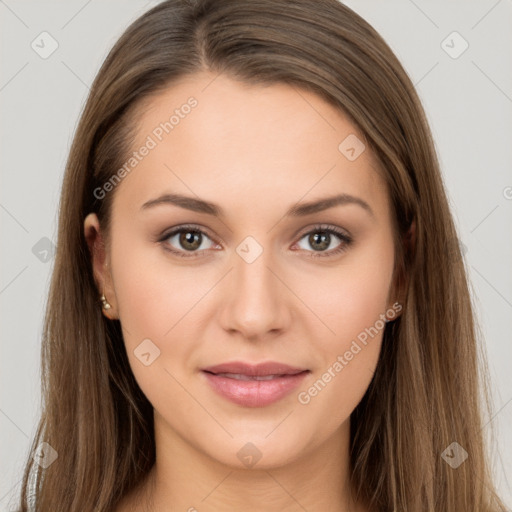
(190, 240)
(183, 240)
(319, 241)
(321, 238)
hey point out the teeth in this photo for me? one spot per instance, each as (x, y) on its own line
(239, 376)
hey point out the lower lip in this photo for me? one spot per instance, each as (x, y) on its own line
(254, 393)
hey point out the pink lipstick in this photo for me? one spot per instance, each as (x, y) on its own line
(254, 385)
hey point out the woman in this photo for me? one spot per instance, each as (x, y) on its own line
(258, 300)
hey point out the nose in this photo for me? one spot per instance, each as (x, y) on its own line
(256, 302)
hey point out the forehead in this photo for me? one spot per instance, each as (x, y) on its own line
(254, 144)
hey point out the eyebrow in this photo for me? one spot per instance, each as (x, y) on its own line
(298, 210)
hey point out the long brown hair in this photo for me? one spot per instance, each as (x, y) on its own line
(425, 393)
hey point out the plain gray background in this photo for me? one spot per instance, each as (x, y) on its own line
(467, 96)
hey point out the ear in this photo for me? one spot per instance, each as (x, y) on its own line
(401, 280)
(100, 264)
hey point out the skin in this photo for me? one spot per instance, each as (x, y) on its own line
(255, 151)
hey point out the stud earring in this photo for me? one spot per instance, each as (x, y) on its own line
(104, 302)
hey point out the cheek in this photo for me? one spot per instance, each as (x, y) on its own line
(349, 358)
(335, 391)
(354, 309)
(156, 302)
(357, 293)
(152, 293)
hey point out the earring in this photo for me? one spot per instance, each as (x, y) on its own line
(104, 302)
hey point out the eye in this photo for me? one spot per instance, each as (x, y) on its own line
(321, 237)
(188, 241)
(185, 239)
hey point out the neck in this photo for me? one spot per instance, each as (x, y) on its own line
(185, 479)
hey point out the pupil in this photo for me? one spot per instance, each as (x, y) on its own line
(188, 238)
(322, 238)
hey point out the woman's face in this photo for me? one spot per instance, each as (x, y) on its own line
(256, 275)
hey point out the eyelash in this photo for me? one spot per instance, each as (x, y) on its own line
(331, 230)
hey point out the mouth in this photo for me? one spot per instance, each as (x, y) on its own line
(241, 376)
(254, 385)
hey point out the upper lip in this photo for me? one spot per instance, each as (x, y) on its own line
(255, 370)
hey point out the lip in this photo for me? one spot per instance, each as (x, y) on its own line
(254, 393)
(260, 369)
